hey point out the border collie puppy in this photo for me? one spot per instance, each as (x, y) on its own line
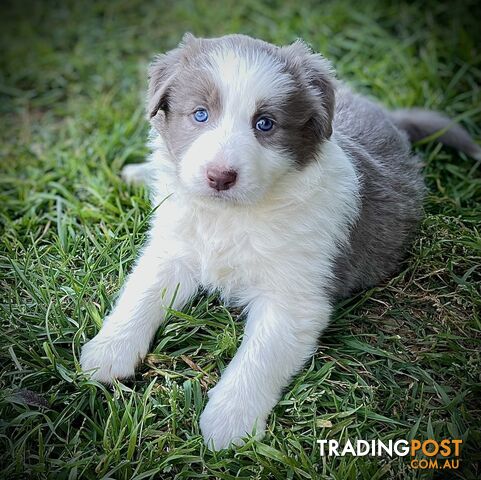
(280, 189)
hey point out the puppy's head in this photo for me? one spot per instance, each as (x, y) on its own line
(237, 114)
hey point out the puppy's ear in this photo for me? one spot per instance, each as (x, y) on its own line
(162, 72)
(318, 75)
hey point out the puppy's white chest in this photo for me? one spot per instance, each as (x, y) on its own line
(239, 255)
(226, 258)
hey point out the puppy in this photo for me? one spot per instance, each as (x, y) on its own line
(280, 189)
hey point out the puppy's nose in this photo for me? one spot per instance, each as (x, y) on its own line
(221, 179)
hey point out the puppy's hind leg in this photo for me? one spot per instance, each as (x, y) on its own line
(137, 174)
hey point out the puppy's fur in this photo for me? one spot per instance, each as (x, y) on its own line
(322, 206)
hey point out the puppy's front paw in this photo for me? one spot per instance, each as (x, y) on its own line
(110, 357)
(227, 419)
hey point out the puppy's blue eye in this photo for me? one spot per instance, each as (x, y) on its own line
(201, 115)
(264, 124)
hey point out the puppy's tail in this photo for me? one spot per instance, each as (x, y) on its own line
(422, 124)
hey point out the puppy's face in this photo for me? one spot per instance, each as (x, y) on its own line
(237, 114)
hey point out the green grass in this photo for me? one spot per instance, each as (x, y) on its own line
(399, 361)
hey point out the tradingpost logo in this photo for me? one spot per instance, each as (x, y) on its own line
(426, 454)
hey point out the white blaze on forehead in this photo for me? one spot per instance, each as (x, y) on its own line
(246, 77)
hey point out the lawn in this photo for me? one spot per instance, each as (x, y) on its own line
(399, 361)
